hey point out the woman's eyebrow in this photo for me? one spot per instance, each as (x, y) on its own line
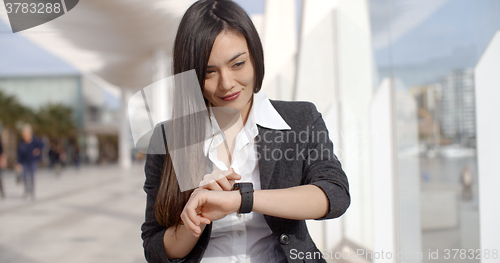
(235, 57)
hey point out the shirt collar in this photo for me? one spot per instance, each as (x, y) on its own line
(262, 113)
(265, 113)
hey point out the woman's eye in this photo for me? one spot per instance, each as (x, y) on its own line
(239, 64)
(210, 72)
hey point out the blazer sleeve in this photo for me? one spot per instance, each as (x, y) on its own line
(152, 231)
(323, 169)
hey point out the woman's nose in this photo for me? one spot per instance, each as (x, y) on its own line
(226, 81)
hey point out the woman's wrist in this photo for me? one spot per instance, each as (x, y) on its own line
(236, 197)
(179, 241)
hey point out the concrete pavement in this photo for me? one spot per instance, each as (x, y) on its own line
(89, 215)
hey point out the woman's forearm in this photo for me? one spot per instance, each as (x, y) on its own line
(179, 244)
(299, 203)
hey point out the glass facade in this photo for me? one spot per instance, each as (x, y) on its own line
(432, 48)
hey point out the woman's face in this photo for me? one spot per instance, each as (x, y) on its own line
(230, 76)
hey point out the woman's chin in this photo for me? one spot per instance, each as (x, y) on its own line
(225, 109)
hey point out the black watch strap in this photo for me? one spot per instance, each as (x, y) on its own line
(246, 191)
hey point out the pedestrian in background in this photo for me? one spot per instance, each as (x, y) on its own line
(76, 156)
(28, 156)
(56, 158)
(3, 165)
(466, 179)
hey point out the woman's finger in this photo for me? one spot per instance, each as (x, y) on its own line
(209, 180)
(213, 186)
(220, 180)
(234, 178)
(188, 223)
(190, 214)
(205, 220)
(224, 184)
(227, 182)
(216, 175)
(233, 175)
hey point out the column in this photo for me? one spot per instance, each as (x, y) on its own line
(124, 138)
(488, 146)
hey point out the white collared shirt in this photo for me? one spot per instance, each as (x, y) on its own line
(245, 237)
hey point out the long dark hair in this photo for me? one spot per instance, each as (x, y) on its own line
(198, 29)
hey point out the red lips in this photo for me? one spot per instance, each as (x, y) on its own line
(232, 96)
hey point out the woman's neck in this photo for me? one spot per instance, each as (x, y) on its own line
(226, 117)
(246, 111)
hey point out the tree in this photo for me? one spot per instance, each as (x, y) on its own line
(11, 111)
(55, 121)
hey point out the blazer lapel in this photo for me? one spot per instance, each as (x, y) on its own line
(266, 143)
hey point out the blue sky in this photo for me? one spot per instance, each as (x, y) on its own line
(453, 37)
(253, 6)
(457, 25)
(21, 57)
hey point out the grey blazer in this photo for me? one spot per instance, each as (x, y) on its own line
(306, 158)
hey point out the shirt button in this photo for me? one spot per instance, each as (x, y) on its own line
(284, 239)
(240, 232)
(238, 215)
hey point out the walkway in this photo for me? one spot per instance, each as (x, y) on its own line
(89, 215)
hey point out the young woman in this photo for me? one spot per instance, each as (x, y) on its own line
(277, 152)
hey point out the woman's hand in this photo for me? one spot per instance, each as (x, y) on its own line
(220, 180)
(212, 200)
(205, 206)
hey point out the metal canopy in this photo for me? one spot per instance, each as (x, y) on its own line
(114, 39)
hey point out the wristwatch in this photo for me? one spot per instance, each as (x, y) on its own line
(246, 191)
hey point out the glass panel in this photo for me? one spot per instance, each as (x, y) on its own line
(432, 48)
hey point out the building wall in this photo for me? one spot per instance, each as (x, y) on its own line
(35, 92)
(458, 112)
